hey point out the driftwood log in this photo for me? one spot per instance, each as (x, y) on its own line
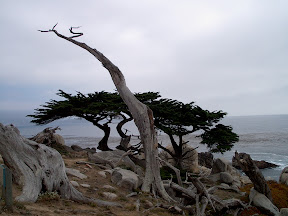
(249, 167)
(37, 168)
(142, 115)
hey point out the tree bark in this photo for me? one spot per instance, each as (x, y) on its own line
(142, 115)
(249, 167)
(120, 125)
(38, 168)
(103, 143)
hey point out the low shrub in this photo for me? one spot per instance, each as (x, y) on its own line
(48, 196)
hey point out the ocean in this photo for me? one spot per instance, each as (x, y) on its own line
(263, 137)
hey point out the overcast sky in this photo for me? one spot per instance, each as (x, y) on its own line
(222, 54)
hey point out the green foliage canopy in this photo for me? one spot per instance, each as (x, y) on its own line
(170, 116)
(93, 107)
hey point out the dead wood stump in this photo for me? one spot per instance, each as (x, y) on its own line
(37, 168)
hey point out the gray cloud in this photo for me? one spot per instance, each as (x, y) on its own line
(223, 55)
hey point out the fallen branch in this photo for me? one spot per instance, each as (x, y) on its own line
(202, 190)
(185, 191)
(137, 205)
(227, 204)
(121, 158)
(177, 171)
(197, 205)
(204, 203)
(99, 160)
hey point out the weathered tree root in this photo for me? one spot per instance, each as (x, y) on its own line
(38, 168)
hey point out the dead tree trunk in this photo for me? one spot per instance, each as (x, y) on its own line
(142, 115)
(249, 167)
(38, 168)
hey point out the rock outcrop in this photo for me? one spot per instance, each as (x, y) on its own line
(284, 176)
(125, 179)
(260, 164)
(262, 202)
(75, 173)
(283, 212)
(205, 159)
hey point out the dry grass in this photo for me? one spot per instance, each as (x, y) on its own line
(279, 193)
(50, 204)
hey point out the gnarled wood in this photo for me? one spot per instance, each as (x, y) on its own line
(251, 170)
(142, 115)
(38, 168)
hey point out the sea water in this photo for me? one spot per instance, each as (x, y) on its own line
(263, 137)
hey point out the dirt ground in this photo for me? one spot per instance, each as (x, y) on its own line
(57, 206)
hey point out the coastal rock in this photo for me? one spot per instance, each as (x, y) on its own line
(204, 171)
(260, 164)
(147, 204)
(109, 195)
(264, 164)
(76, 173)
(76, 148)
(224, 186)
(125, 179)
(59, 139)
(214, 177)
(79, 149)
(237, 182)
(226, 177)
(262, 202)
(109, 187)
(283, 212)
(114, 157)
(189, 163)
(49, 138)
(284, 176)
(102, 174)
(205, 159)
(220, 165)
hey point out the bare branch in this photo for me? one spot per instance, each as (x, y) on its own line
(188, 152)
(177, 171)
(187, 192)
(77, 34)
(165, 149)
(50, 30)
(202, 190)
(54, 26)
(124, 155)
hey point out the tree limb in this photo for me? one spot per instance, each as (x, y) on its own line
(143, 117)
(177, 171)
(76, 33)
(201, 189)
